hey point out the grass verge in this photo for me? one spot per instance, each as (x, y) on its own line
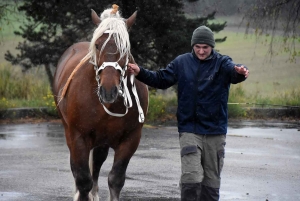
(31, 89)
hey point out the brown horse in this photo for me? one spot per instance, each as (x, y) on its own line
(103, 112)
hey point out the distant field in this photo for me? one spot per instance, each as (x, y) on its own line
(267, 77)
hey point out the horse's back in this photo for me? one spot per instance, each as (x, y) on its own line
(66, 64)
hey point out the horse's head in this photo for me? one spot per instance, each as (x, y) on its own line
(110, 51)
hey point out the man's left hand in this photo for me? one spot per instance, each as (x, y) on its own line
(242, 70)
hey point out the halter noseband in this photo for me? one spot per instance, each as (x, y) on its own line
(113, 64)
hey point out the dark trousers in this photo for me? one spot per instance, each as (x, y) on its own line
(198, 192)
(202, 159)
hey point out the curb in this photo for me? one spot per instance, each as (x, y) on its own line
(276, 113)
(18, 113)
(43, 112)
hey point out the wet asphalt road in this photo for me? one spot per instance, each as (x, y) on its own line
(262, 163)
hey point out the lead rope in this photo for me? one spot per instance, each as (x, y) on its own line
(140, 109)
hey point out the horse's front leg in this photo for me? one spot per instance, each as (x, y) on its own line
(97, 157)
(79, 159)
(116, 177)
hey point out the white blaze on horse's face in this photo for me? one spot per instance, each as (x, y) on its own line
(109, 72)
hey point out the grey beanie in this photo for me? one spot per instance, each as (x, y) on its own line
(203, 35)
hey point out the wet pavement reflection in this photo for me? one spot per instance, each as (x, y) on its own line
(30, 135)
(262, 163)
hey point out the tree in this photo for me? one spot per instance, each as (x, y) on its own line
(222, 7)
(6, 8)
(277, 17)
(3, 13)
(161, 31)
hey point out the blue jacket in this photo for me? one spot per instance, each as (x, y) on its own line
(203, 88)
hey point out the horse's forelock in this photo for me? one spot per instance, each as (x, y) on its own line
(118, 30)
(108, 14)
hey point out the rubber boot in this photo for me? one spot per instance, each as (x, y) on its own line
(210, 194)
(190, 191)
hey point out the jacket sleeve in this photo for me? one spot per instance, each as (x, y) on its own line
(161, 79)
(235, 77)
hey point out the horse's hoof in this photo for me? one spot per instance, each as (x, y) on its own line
(76, 196)
(91, 197)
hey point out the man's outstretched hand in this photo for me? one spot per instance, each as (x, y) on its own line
(242, 70)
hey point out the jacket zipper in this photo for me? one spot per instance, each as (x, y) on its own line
(196, 94)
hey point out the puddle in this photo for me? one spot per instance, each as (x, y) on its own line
(5, 196)
(30, 135)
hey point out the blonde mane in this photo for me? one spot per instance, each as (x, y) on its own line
(117, 29)
(113, 24)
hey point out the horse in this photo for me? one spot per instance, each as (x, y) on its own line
(97, 108)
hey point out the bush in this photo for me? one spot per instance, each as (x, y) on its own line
(235, 102)
(158, 106)
(19, 89)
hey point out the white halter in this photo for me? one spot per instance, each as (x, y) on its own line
(124, 93)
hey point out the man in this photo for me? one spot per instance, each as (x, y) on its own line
(204, 77)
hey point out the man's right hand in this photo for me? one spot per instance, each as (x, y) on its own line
(133, 69)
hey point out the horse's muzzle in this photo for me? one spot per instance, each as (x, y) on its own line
(108, 95)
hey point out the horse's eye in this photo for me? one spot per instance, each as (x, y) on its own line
(97, 46)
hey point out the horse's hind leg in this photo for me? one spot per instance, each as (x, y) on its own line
(116, 177)
(97, 157)
(79, 159)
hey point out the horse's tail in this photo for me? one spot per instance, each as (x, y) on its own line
(65, 88)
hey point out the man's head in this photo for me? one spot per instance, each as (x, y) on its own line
(203, 35)
(202, 42)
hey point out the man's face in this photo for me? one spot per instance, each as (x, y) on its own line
(202, 51)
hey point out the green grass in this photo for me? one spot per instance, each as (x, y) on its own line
(267, 77)
(24, 89)
(16, 84)
(157, 107)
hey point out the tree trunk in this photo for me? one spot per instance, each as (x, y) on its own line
(49, 74)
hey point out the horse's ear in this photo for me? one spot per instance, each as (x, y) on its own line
(95, 18)
(131, 20)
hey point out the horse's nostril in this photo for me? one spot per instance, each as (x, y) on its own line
(101, 91)
(115, 90)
